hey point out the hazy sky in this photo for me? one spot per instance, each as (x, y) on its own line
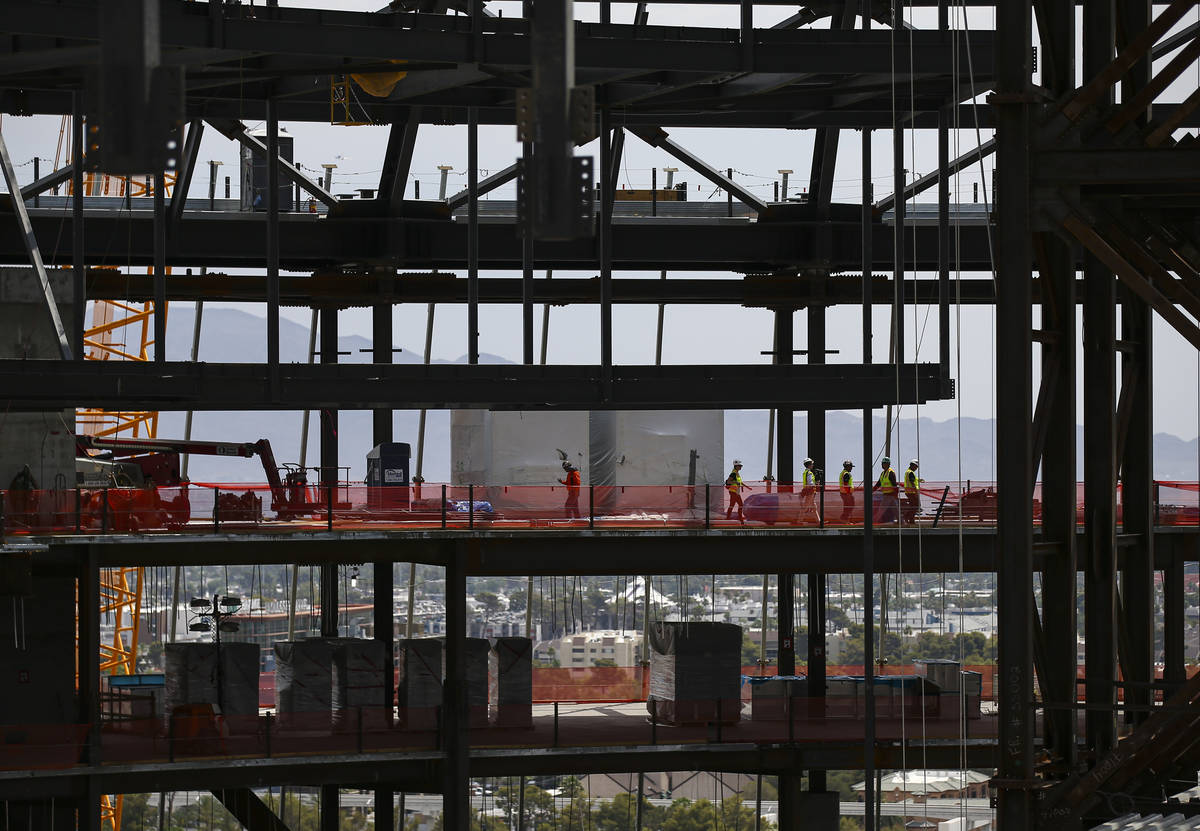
(692, 334)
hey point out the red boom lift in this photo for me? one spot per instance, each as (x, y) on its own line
(140, 466)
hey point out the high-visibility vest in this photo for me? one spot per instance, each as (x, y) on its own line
(734, 482)
(887, 482)
(573, 482)
(911, 482)
(847, 481)
(810, 478)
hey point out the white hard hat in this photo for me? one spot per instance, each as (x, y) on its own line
(913, 463)
(737, 462)
(808, 461)
(847, 463)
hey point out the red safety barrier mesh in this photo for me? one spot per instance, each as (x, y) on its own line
(239, 507)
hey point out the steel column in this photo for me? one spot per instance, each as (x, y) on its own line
(527, 269)
(1014, 444)
(457, 807)
(1056, 24)
(604, 241)
(1059, 496)
(473, 236)
(1174, 621)
(31, 249)
(816, 581)
(1137, 462)
(79, 268)
(785, 457)
(1137, 505)
(385, 607)
(1099, 444)
(899, 242)
(869, 794)
(160, 268)
(381, 353)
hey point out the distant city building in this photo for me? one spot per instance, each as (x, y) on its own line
(584, 649)
(919, 785)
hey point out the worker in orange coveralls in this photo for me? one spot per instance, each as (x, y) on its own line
(571, 507)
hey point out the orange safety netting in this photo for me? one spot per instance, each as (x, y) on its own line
(232, 507)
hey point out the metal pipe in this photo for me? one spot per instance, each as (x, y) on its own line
(412, 585)
(273, 244)
(546, 323)
(312, 353)
(421, 421)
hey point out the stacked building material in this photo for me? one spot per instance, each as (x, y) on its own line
(843, 697)
(511, 688)
(961, 690)
(477, 651)
(695, 671)
(419, 681)
(194, 671)
(360, 689)
(304, 683)
(773, 698)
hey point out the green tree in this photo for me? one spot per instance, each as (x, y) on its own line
(620, 814)
(490, 601)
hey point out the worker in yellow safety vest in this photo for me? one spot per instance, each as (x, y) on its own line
(846, 489)
(912, 492)
(808, 494)
(735, 486)
(888, 488)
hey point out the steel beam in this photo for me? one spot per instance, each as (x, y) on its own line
(487, 185)
(160, 268)
(186, 386)
(657, 137)
(249, 810)
(397, 159)
(31, 249)
(1014, 377)
(309, 242)
(47, 182)
(236, 131)
(364, 289)
(187, 168)
(927, 181)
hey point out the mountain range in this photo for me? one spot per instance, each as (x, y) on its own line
(234, 336)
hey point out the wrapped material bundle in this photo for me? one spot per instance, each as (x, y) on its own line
(695, 672)
(511, 690)
(360, 689)
(192, 677)
(304, 682)
(775, 697)
(419, 688)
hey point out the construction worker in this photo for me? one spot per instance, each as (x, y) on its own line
(912, 492)
(888, 488)
(735, 486)
(571, 506)
(846, 489)
(808, 494)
